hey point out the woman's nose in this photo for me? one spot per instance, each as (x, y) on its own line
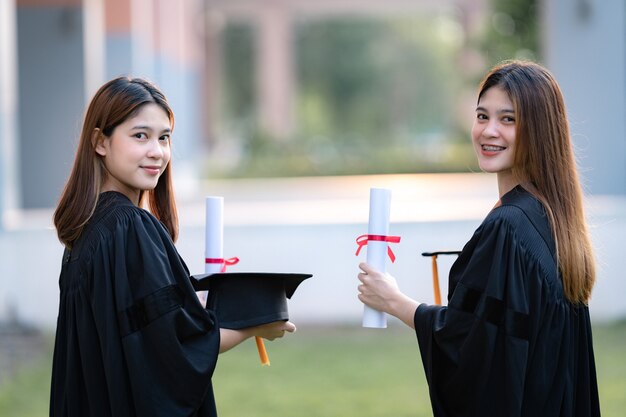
(155, 149)
(491, 129)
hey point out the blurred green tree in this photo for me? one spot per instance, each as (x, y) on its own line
(374, 94)
(238, 109)
(372, 79)
(512, 31)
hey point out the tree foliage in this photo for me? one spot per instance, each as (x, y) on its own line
(374, 94)
(512, 31)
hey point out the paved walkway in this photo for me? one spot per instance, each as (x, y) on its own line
(20, 345)
(341, 200)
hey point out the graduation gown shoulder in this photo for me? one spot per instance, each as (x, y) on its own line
(508, 343)
(132, 338)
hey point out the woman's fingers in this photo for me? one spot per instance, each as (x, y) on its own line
(367, 268)
(275, 330)
(290, 327)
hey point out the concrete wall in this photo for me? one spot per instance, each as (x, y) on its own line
(51, 98)
(9, 179)
(585, 47)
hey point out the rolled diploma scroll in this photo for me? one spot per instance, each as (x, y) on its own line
(214, 250)
(214, 238)
(380, 200)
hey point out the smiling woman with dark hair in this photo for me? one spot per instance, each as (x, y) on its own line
(515, 337)
(132, 337)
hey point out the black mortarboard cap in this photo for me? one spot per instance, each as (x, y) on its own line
(246, 299)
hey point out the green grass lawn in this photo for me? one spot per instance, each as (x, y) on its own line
(610, 352)
(326, 372)
(330, 371)
(28, 393)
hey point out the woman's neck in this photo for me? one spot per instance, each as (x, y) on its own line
(506, 182)
(132, 195)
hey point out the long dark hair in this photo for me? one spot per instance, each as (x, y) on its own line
(544, 160)
(115, 102)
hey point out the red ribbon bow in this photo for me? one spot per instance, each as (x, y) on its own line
(363, 239)
(224, 262)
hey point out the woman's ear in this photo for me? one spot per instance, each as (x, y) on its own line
(97, 141)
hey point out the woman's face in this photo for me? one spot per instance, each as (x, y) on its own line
(493, 132)
(137, 152)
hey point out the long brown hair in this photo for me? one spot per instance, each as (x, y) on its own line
(544, 160)
(115, 102)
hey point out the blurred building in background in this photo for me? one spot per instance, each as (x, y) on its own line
(54, 54)
(585, 46)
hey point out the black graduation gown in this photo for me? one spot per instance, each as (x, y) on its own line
(508, 343)
(132, 338)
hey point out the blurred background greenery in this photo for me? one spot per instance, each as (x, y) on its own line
(375, 94)
(339, 371)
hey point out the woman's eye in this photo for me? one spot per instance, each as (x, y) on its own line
(481, 116)
(140, 135)
(508, 119)
(165, 137)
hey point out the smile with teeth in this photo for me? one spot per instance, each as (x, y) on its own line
(492, 148)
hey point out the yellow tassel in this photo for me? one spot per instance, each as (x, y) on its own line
(265, 360)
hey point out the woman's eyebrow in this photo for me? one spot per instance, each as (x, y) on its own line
(479, 108)
(142, 127)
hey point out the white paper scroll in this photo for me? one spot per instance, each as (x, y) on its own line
(380, 200)
(214, 239)
(214, 235)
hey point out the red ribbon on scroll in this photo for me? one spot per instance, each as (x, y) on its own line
(224, 262)
(363, 239)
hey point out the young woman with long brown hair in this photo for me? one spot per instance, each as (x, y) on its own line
(515, 336)
(132, 337)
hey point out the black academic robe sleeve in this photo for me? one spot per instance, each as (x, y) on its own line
(508, 342)
(132, 337)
